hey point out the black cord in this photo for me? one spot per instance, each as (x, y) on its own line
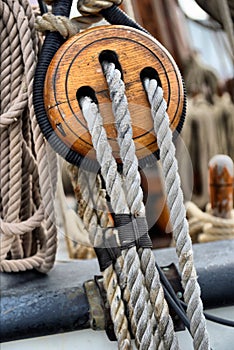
(213, 318)
(52, 43)
(180, 312)
(181, 304)
(172, 298)
(115, 15)
(43, 7)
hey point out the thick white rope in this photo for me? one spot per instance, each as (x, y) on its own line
(65, 26)
(135, 293)
(178, 215)
(134, 198)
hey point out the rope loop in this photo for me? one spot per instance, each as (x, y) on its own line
(93, 7)
(66, 27)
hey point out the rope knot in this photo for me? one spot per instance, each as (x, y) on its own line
(93, 7)
(66, 27)
(108, 249)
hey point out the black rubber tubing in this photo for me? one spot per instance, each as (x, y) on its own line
(52, 43)
(116, 16)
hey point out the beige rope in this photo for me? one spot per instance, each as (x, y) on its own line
(93, 210)
(27, 222)
(204, 227)
(65, 26)
(68, 27)
(62, 24)
(93, 7)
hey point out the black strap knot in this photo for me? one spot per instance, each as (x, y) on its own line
(108, 250)
(133, 231)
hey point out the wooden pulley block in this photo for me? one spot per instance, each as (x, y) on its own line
(76, 69)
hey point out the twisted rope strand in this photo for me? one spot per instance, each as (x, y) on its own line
(135, 293)
(178, 215)
(134, 198)
(93, 211)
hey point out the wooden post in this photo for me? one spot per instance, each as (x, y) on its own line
(221, 173)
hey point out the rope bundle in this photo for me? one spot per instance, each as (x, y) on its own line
(136, 265)
(204, 227)
(130, 273)
(135, 293)
(28, 165)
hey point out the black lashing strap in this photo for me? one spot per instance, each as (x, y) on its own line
(132, 231)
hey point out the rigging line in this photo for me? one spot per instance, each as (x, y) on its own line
(213, 318)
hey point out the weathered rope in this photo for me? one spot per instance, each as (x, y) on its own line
(65, 26)
(204, 227)
(27, 223)
(93, 7)
(90, 10)
(177, 214)
(134, 198)
(135, 293)
(93, 210)
(61, 24)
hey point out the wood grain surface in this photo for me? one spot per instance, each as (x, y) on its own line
(76, 64)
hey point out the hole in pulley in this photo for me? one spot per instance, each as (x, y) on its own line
(110, 57)
(86, 91)
(151, 73)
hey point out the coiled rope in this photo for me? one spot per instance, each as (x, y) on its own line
(28, 165)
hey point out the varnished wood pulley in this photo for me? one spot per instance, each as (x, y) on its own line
(77, 67)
